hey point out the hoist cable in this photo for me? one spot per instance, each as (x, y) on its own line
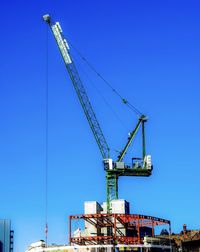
(46, 135)
(106, 82)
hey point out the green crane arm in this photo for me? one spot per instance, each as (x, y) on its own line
(77, 83)
(141, 120)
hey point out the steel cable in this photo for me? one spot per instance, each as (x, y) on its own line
(125, 101)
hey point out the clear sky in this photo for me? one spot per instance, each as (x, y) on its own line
(150, 52)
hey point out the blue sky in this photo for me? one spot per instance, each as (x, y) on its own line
(149, 51)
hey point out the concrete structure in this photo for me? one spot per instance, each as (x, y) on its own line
(120, 206)
(6, 236)
(91, 207)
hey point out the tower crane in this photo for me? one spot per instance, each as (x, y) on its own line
(114, 169)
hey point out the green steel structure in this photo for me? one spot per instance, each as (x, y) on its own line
(113, 169)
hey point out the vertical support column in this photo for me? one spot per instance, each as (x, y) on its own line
(115, 228)
(139, 229)
(143, 141)
(70, 230)
(153, 231)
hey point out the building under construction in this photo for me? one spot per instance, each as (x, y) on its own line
(118, 227)
(119, 230)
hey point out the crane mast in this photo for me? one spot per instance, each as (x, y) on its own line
(113, 169)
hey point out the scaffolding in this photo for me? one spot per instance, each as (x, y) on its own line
(115, 228)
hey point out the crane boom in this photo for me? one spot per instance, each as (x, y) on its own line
(77, 83)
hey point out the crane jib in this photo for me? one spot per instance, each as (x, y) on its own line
(77, 83)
